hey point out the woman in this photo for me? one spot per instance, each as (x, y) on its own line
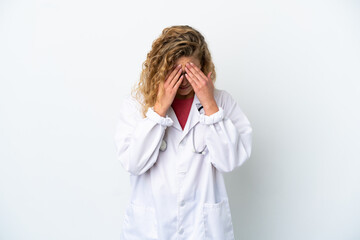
(176, 137)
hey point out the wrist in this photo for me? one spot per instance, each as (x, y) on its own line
(211, 108)
(159, 110)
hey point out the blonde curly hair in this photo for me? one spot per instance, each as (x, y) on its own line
(174, 42)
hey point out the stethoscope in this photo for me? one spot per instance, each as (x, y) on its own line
(164, 144)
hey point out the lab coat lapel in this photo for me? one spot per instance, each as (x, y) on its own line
(171, 113)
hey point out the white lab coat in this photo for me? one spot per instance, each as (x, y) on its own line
(176, 193)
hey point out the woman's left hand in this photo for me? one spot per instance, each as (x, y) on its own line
(203, 87)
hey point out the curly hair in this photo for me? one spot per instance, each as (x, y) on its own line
(174, 42)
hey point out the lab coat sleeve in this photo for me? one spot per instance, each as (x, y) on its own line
(138, 139)
(228, 136)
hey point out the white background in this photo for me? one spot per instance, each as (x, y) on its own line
(293, 66)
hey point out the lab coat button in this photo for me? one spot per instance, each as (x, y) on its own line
(181, 230)
(182, 203)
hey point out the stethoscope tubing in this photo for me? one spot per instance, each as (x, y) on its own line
(163, 145)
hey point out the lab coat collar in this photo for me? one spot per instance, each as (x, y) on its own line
(193, 118)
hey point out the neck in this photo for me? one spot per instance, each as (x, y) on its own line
(190, 95)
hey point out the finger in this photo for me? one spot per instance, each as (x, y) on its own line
(176, 86)
(191, 81)
(169, 72)
(175, 79)
(196, 74)
(198, 70)
(209, 76)
(192, 77)
(172, 74)
(167, 75)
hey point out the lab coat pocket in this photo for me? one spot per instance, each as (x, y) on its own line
(217, 221)
(140, 223)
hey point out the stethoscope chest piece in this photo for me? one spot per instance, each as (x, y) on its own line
(163, 145)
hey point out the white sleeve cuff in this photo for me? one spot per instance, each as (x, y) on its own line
(163, 121)
(213, 118)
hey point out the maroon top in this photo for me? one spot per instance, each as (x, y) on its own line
(182, 108)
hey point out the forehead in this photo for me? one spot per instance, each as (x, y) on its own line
(183, 60)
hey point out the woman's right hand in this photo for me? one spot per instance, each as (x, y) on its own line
(167, 91)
